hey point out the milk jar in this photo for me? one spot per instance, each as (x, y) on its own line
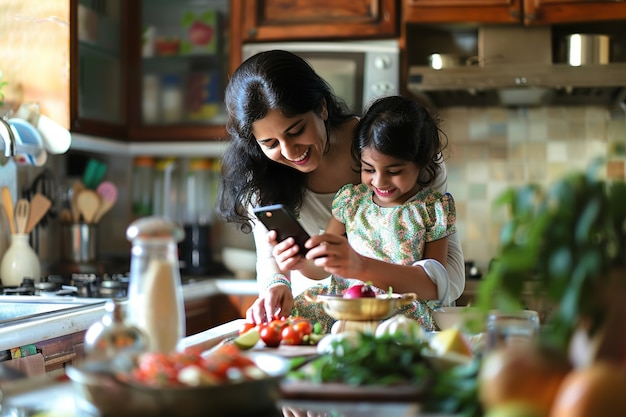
(155, 298)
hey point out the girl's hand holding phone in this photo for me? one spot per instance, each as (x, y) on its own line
(286, 253)
(333, 253)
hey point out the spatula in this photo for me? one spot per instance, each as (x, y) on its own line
(108, 196)
(39, 205)
(88, 203)
(7, 203)
(22, 212)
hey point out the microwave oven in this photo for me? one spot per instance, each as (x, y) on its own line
(357, 71)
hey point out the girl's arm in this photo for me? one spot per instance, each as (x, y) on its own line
(339, 258)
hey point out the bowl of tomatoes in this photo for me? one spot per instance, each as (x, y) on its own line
(186, 384)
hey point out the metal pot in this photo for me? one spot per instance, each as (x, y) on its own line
(381, 307)
(585, 49)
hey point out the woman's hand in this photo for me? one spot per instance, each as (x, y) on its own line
(276, 300)
(333, 253)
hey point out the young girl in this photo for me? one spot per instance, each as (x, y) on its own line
(392, 219)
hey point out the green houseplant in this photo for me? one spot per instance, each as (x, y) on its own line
(568, 243)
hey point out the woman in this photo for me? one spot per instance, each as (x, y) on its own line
(290, 144)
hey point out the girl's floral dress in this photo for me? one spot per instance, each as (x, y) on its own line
(392, 234)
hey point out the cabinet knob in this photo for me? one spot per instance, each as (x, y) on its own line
(253, 32)
(515, 14)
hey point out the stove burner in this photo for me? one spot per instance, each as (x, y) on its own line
(77, 285)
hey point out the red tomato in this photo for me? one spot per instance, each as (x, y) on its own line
(270, 333)
(291, 336)
(156, 369)
(246, 326)
(303, 326)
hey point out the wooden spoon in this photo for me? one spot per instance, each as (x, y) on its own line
(76, 189)
(7, 203)
(88, 203)
(108, 196)
(39, 205)
(22, 212)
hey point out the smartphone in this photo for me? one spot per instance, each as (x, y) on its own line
(278, 217)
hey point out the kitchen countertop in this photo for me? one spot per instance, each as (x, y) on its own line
(59, 395)
(63, 323)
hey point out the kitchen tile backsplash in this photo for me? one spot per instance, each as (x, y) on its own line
(489, 150)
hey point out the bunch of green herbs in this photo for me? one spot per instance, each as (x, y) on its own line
(369, 360)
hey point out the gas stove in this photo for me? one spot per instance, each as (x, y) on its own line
(74, 285)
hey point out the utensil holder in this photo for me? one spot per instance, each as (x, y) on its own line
(79, 242)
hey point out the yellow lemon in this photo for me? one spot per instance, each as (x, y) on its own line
(450, 341)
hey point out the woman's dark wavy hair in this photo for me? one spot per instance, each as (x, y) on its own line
(266, 81)
(400, 127)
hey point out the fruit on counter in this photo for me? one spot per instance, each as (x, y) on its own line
(360, 291)
(401, 326)
(592, 391)
(450, 341)
(271, 332)
(293, 330)
(248, 339)
(522, 373)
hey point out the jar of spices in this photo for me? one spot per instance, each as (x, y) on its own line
(142, 183)
(171, 98)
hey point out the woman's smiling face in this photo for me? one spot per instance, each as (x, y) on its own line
(392, 180)
(298, 141)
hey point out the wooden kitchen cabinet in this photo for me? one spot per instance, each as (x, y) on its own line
(272, 20)
(528, 12)
(149, 70)
(462, 11)
(62, 351)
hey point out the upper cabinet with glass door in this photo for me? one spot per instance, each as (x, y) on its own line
(182, 70)
(97, 67)
(150, 70)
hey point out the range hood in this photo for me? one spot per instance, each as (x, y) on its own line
(514, 67)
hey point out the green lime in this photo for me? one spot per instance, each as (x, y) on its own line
(248, 339)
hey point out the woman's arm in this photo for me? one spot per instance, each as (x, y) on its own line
(273, 283)
(455, 263)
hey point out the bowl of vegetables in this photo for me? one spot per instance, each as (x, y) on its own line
(367, 307)
(226, 383)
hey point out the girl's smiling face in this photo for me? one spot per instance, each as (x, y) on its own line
(298, 141)
(392, 180)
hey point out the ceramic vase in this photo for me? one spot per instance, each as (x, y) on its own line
(19, 261)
